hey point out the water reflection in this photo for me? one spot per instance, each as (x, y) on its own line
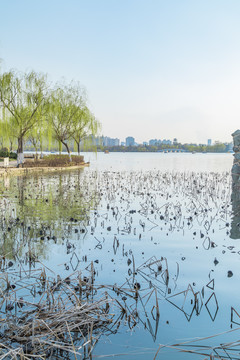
(155, 242)
(43, 209)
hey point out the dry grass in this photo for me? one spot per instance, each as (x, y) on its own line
(63, 319)
(198, 346)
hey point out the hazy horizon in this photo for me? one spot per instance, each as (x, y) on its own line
(152, 69)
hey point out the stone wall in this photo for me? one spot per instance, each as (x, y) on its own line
(235, 198)
(236, 149)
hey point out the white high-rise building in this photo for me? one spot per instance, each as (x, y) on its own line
(130, 141)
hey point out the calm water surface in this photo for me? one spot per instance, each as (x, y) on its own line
(166, 222)
(160, 161)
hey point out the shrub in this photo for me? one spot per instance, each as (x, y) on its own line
(4, 153)
(13, 155)
(55, 161)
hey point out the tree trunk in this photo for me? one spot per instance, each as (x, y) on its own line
(60, 147)
(20, 155)
(78, 148)
(68, 150)
(41, 149)
(35, 152)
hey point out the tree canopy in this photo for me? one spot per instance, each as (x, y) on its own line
(30, 110)
(65, 108)
(85, 123)
(23, 101)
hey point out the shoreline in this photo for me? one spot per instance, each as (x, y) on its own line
(28, 170)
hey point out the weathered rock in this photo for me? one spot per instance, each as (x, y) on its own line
(236, 149)
(237, 156)
(236, 168)
(236, 138)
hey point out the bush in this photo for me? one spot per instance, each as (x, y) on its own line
(4, 152)
(55, 161)
(13, 155)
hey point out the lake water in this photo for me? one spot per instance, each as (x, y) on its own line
(160, 161)
(166, 225)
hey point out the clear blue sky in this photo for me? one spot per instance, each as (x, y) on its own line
(152, 68)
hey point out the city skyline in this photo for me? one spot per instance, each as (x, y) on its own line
(148, 66)
(108, 141)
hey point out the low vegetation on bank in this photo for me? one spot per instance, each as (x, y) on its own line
(55, 161)
(4, 152)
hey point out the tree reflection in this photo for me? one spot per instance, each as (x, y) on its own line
(38, 208)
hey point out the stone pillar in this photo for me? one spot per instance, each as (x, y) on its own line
(6, 162)
(235, 198)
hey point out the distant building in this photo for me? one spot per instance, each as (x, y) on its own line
(175, 141)
(115, 142)
(104, 141)
(153, 142)
(107, 141)
(91, 140)
(130, 141)
(166, 142)
(209, 142)
(97, 140)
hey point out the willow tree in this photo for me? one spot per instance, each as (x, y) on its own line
(23, 101)
(65, 105)
(85, 124)
(38, 134)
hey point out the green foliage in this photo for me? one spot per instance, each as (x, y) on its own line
(22, 97)
(85, 124)
(219, 147)
(32, 112)
(6, 153)
(23, 100)
(13, 155)
(66, 104)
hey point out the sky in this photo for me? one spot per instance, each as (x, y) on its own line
(151, 68)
